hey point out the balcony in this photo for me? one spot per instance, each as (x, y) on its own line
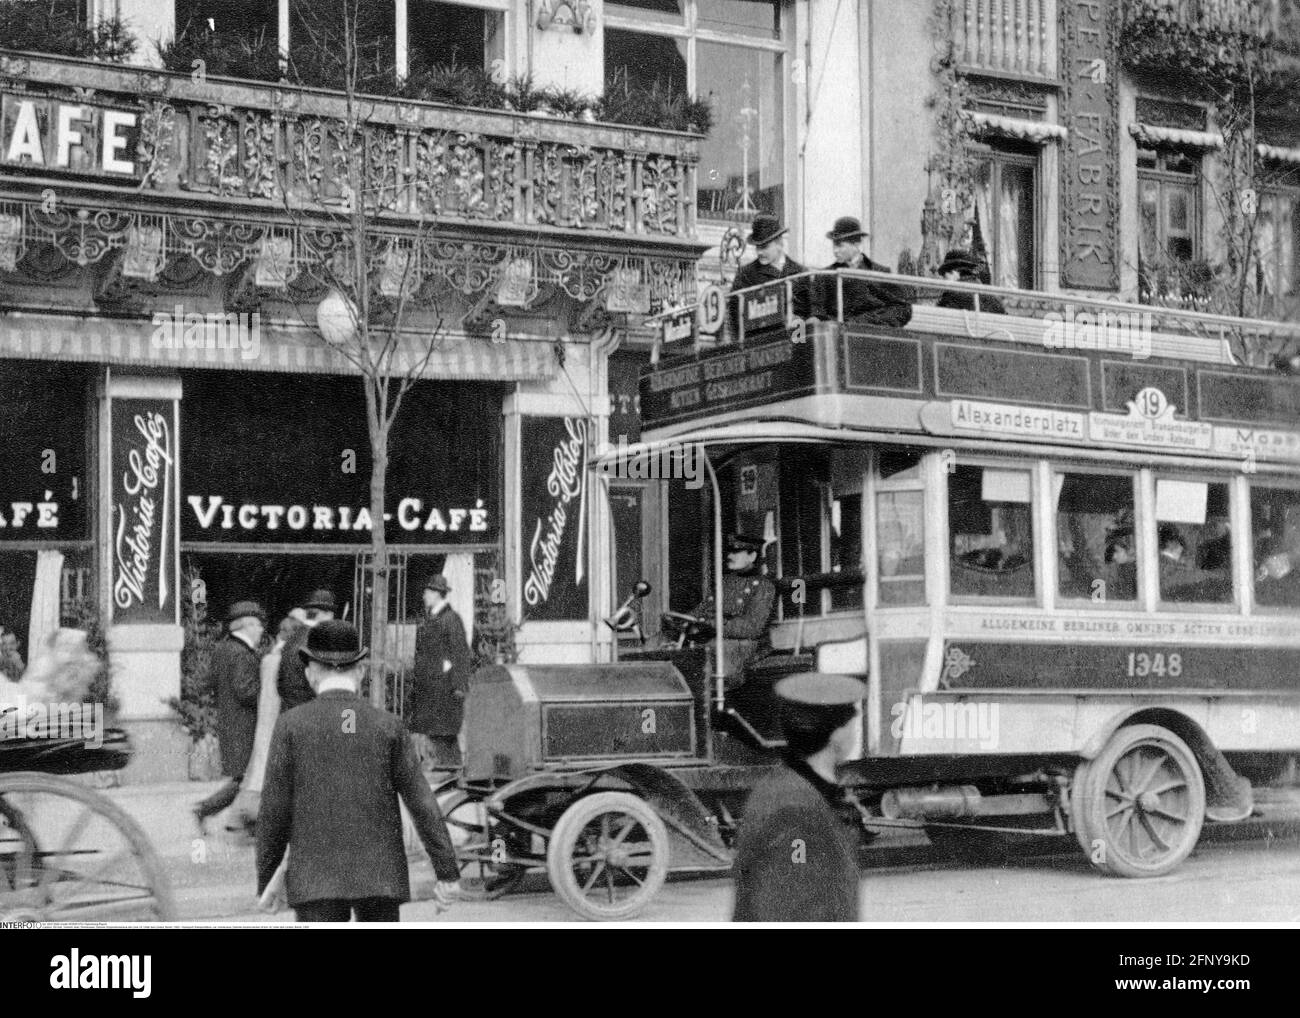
(1016, 37)
(1274, 21)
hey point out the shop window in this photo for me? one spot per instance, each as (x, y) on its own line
(1004, 216)
(1275, 518)
(1095, 557)
(454, 35)
(990, 520)
(732, 56)
(1194, 542)
(249, 19)
(1169, 229)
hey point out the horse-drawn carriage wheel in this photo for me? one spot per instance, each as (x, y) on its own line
(88, 858)
(1142, 802)
(608, 855)
(469, 824)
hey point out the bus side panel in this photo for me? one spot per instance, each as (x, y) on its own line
(901, 665)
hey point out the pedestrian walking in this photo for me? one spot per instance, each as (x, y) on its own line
(336, 771)
(796, 855)
(292, 684)
(237, 678)
(440, 679)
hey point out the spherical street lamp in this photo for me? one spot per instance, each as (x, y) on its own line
(336, 318)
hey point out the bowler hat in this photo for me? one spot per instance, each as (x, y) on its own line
(244, 610)
(437, 582)
(322, 600)
(846, 228)
(333, 642)
(960, 260)
(766, 229)
(743, 542)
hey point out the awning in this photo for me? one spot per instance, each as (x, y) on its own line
(1153, 135)
(1279, 154)
(1037, 131)
(271, 348)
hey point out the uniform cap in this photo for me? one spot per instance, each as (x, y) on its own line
(816, 689)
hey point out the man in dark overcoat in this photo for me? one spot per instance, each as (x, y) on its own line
(770, 264)
(748, 598)
(336, 770)
(237, 678)
(865, 301)
(796, 854)
(291, 681)
(440, 680)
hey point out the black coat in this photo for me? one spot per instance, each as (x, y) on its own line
(237, 676)
(334, 773)
(755, 272)
(963, 301)
(796, 859)
(291, 680)
(440, 679)
(864, 300)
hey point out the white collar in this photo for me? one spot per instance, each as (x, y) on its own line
(440, 609)
(242, 637)
(333, 683)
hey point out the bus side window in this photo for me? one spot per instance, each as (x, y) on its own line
(1275, 516)
(1094, 537)
(1193, 541)
(990, 521)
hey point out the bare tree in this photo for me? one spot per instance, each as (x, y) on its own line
(371, 272)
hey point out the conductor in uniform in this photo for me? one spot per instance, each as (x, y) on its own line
(440, 679)
(748, 598)
(797, 852)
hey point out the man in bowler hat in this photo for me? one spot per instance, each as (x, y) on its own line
(962, 266)
(748, 598)
(797, 852)
(237, 677)
(771, 263)
(864, 300)
(440, 680)
(291, 681)
(336, 769)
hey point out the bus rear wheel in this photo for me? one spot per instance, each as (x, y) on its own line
(1140, 804)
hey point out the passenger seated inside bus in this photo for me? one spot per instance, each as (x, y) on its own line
(1194, 541)
(1094, 536)
(991, 527)
(1275, 513)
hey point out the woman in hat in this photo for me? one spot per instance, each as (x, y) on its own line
(796, 854)
(961, 266)
(772, 263)
(864, 301)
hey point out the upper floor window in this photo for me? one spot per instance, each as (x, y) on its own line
(249, 18)
(1005, 213)
(1276, 277)
(1169, 205)
(728, 52)
(466, 35)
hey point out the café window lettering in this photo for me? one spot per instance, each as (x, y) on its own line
(729, 52)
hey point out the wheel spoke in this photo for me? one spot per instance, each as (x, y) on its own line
(622, 834)
(1158, 760)
(596, 871)
(609, 884)
(627, 872)
(1175, 782)
(70, 839)
(1155, 837)
(1171, 817)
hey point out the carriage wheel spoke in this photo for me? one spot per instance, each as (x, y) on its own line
(596, 871)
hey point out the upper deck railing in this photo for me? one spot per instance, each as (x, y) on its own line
(256, 150)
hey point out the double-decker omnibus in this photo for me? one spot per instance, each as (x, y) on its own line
(1062, 545)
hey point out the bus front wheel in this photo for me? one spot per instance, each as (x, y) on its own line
(1138, 807)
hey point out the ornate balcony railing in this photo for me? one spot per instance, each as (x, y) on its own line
(1277, 20)
(262, 152)
(1012, 36)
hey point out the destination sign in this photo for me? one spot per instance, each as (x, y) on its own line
(732, 378)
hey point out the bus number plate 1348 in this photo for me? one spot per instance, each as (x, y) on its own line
(1143, 663)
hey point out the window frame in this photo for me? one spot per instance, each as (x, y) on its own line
(1276, 483)
(999, 152)
(1165, 178)
(1284, 192)
(1029, 465)
(1061, 468)
(1151, 556)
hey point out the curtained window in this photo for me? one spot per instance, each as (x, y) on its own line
(1170, 214)
(1003, 217)
(1276, 276)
